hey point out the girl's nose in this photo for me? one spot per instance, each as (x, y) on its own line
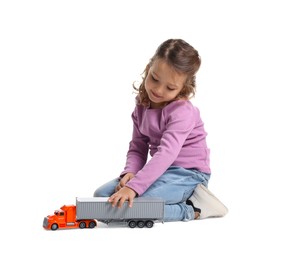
(159, 90)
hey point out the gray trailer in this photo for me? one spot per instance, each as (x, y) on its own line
(145, 211)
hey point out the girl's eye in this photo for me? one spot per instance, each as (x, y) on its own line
(154, 79)
(171, 89)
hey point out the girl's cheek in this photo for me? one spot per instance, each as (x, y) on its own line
(146, 83)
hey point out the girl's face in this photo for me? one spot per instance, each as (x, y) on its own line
(163, 83)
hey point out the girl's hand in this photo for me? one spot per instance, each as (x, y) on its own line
(127, 177)
(121, 196)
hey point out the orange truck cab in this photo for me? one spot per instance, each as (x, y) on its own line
(65, 218)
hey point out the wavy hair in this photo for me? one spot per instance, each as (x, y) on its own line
(183, 58)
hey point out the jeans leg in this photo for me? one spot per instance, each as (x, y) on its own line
(175, 186)
(178, 212)
(107, 189)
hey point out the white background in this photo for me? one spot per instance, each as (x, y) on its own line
(66, 74)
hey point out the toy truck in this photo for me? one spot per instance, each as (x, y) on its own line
(87, 211)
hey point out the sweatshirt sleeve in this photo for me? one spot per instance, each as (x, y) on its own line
(138, 148)
(179, 120)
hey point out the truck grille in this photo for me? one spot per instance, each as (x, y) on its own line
(45, 222)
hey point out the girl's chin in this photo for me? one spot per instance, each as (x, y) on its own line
(154, 104)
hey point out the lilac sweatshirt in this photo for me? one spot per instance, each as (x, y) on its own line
(174, 136)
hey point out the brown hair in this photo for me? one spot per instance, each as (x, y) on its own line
(183, 58)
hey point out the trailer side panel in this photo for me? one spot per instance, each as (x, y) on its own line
(100, 209)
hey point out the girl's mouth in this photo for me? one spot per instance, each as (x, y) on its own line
(155, 95)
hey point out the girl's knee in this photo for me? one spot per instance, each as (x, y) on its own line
(107, 189)
(96, 193)
(101, 193)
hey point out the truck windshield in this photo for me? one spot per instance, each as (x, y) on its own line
(59, 213)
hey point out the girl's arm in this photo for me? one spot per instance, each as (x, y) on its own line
(136, 159)
(138, 149)
(180, 121)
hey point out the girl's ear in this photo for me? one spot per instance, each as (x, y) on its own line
(182, 93)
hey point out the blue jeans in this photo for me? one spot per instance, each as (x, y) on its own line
(175, 186)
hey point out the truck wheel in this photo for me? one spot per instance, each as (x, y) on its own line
(92, 224)
(82, 225)
(149, 224)
(132, 224)
(54, 226)
(141, 224)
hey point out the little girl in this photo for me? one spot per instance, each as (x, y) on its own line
(166, 124)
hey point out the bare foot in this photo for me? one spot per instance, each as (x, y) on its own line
(196, 215)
